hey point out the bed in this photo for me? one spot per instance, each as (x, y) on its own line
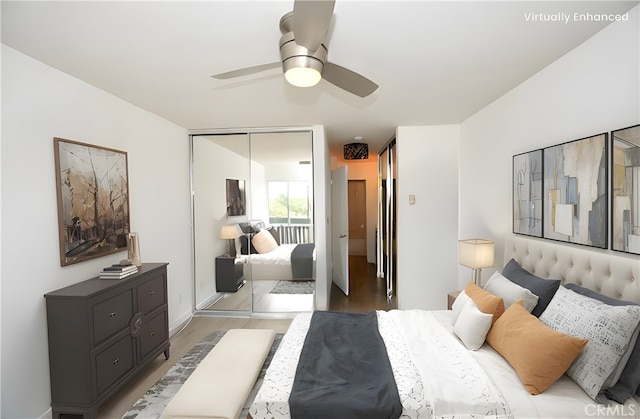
(266, 259)
(437, 375)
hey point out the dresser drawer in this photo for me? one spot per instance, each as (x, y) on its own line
(113, 362)
(151, 294)
(153, 332)
(111, 316)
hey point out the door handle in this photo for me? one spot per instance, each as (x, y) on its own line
(342, 236)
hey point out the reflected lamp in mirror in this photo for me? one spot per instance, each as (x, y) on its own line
(475, 254)
(231, 233)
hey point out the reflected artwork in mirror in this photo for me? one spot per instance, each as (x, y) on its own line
(625, 187)
(236, 198)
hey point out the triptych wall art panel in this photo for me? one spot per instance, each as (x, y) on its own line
(563, 192)
(625, 190)
(527, 193)
(575, 190)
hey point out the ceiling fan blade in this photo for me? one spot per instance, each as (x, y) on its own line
(246, 71)
(348, 80)
(311, 21)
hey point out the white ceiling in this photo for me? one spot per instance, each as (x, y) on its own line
(435, 62)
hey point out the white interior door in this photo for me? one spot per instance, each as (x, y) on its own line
(340, 228)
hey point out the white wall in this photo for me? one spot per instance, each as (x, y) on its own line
(322, 206)
(593, 89)
(38, 103)
(427, 161)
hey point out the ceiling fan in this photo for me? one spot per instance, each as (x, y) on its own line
(303, 53)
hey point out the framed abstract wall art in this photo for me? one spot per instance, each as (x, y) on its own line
(93, 200)
(625, 190)
(527, 193)
(575, 191)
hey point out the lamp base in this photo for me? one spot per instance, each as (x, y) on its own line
(232, 248)
(477, 276)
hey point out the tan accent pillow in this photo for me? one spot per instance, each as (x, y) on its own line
(264, 242)
(486, 302)
(538, 354)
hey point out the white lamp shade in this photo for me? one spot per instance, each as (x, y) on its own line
(230, 232)
(475, 253)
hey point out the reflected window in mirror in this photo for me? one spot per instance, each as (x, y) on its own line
(290, 210)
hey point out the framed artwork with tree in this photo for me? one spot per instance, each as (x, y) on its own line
(92, 186)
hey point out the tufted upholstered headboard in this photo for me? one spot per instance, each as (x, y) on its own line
(610, 274)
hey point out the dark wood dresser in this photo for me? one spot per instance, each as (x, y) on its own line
(101, 332)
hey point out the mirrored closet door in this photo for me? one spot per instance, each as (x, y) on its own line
(253, 222)
(219, 175)
(387, 221)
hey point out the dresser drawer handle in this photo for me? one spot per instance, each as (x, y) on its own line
(151, 293)
(112, 314)
(152, 334)
(116, 361)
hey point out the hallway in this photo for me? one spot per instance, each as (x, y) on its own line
(366, 292)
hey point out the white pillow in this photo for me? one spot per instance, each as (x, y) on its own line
(608, 328)
(472, 326)
(458, 305)
(510, 292)
(264, 242)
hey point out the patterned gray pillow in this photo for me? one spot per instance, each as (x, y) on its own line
(629, 381)
(608, 328)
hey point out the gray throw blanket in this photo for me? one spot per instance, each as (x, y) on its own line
(302, 261)
(344, 371)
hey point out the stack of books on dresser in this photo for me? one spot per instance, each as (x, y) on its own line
(118, 271)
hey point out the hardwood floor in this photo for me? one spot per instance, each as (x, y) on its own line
(366, 293)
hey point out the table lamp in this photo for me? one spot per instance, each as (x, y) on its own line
(475, 254)
(231, 233)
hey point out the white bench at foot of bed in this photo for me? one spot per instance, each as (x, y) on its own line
(220, 385)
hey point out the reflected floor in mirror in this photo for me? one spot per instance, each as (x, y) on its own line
(269, 297)
(239, 300)
(265, 301)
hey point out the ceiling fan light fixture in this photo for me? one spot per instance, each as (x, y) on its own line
(303, 76)
(302, 68)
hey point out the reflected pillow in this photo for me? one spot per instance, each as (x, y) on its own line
(264, 242)
(275, 234)
(246, 246)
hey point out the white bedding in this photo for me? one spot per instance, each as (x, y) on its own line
(281, 255)
(459, 383)
(274, 265)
